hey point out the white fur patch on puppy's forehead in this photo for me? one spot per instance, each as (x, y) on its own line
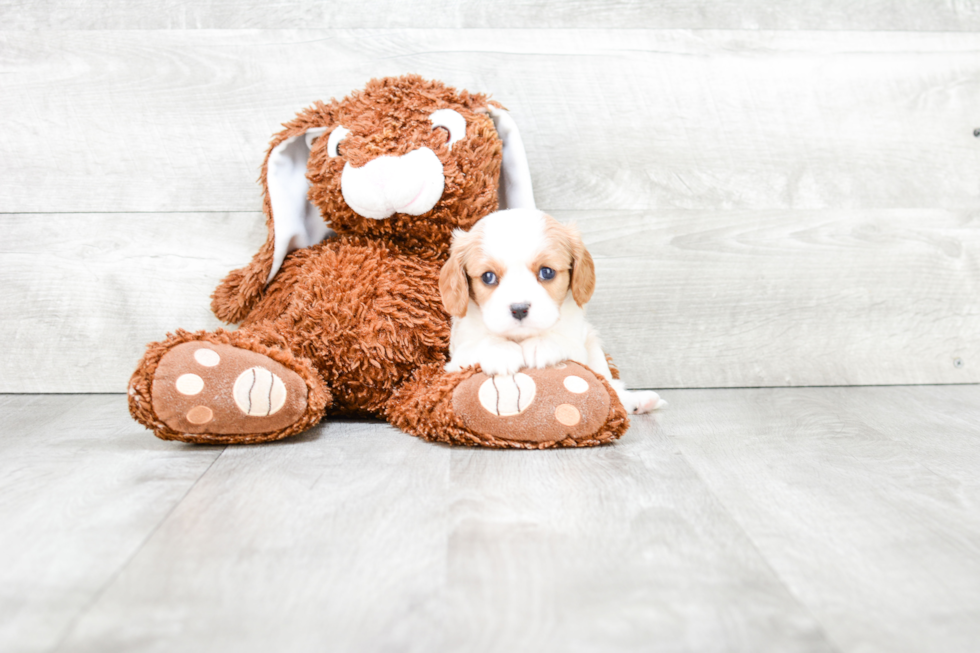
(514, 234)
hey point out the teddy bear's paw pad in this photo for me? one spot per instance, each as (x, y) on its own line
(534, 405)
(504, 396)
(202, 387)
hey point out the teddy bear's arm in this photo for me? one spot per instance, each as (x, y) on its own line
(239, 292)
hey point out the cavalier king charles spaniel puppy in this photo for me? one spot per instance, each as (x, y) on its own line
(516, 285)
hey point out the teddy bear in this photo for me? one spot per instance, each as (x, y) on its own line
(339, 310)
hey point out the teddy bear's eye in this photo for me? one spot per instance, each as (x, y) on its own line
(489, 278)
(546, 274)
(453, 123)
(333, 143)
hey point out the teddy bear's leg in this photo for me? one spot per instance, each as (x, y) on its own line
(226, 387)
(563, 406)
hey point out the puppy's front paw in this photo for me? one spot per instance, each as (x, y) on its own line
(641, 401)
(503, 359)
(542, 352)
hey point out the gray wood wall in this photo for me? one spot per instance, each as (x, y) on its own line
(774, 195)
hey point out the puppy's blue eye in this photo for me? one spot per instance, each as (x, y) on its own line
(546, 274)
(489, 278)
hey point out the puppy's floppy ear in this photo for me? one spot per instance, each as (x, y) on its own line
(583, 269)
(514, 190)
(454, 285)
(292, 222)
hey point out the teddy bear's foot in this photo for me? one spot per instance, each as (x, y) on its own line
(215, 392)
(201, 387)
(563, 406)
(566, 405)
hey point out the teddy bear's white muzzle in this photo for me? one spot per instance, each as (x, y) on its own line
(411, 183)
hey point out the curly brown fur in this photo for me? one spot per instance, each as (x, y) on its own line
(359, 316)
(364, 312)
(423, 407)
(389, 117)
(364, 306)
(612, 367)
(262, 341)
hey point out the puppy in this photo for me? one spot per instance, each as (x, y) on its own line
(516, 285)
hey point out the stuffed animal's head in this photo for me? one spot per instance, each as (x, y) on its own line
(405, 159)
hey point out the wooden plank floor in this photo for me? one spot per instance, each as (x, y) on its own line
(790, 519)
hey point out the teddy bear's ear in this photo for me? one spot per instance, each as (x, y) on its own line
(515, 175)
(297, 222)
(291, 220)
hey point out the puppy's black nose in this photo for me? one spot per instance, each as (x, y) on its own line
(519, 311)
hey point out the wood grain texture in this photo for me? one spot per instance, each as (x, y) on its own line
(767, 208)
(357, 537)
(79, 310)
(812, 519)
(684, 298)
(335, 541)
(783, 298)
(865, 501)
(612, 549)
(613, 119)
(81, 488)
(913, 15)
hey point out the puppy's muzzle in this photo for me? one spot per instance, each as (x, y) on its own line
(519, 311)
(411, 183)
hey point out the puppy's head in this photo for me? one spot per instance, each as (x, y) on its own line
(519, 267)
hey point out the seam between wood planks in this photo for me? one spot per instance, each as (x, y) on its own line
(115, 575)
(765, 560)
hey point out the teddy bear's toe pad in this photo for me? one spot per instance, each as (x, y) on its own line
(535, 405)
(202, 387)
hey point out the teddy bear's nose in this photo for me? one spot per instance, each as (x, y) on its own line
(411, 183)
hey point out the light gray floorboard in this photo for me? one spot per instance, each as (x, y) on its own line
(81, 489)
(357, 537)
(332, 541)
(615, 549)
(866, 501)
(612, 119)
(918, 15)
(684, 298)
(786, 519)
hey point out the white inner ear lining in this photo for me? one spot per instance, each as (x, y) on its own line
(297, 223)
(515, 177)
(451, 120)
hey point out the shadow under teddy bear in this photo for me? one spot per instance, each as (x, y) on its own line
(352, 322)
